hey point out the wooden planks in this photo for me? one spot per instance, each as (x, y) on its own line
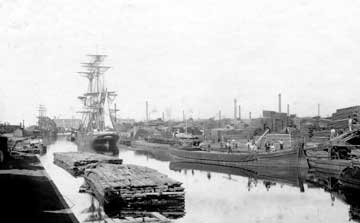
(76, 162)
(134, 187)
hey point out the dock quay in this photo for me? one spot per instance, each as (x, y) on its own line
(28, 194)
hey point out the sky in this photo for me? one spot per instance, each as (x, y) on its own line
(195, 56)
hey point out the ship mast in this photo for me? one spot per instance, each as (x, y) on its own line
(94, 98)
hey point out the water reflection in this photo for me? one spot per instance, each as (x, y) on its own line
(224, 194)
(292, 176)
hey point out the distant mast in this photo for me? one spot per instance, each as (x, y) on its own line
(95, 97)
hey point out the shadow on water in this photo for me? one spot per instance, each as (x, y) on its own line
(291, 176)
(331, 183)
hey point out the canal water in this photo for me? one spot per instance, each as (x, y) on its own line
(215, 194)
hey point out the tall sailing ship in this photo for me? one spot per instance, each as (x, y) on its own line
(96, 129)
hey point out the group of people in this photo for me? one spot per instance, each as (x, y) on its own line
(270, 146)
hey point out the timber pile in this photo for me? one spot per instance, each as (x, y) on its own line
(319, 139)
(321, 133)
(77, 162)
(344, 113)
(135, 188)
(154, 217)
(341, 116)
(339, 124)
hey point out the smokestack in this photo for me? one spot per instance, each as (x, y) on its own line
(183, 115)
(288, 109)
(239, 112)
(250, 115)
(219, 118)
(279, 102)
(319, 110)
(147, 111)
(163, 116)
(235, 109)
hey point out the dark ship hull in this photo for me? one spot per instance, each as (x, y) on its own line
(99, 142)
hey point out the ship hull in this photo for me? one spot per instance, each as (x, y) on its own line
(282, 159)
(104, 142)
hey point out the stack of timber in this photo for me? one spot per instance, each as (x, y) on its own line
(341, 116)
(339, 124)
(153, 217)
(344, 113)
(322, 133)
(77, 162)
(135, 188)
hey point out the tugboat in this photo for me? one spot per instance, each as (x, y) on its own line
(96, 129)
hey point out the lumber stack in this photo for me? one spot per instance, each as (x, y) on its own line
(135, 188)
(321, 133)
(339, 124)
(341, 116)
(77, 162)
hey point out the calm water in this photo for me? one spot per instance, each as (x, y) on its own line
(224, 194)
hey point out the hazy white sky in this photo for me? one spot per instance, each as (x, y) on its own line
(192, 55)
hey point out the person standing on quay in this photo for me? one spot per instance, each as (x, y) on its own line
(350, 123)
(281, 144)
(332, 133)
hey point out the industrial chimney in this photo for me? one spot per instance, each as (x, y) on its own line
(147, 111)
(288, 109)
(239, 112)
(279, 102)
(235, 109)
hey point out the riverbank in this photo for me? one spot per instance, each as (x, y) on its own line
(29, 195)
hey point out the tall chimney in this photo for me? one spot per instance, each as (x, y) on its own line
(239, 112)
(163, 116)
(219, 118)
(147, 111)
(250, 115)
(279, 102)
(319, 110)
(183, 115)
(288, 109)
(235, 109)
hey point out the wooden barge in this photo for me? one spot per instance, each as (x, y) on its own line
(254, 159)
